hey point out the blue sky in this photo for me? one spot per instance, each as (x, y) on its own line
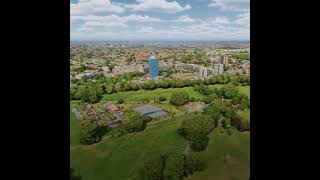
(160, 19)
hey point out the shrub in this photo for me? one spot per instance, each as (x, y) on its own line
(200, 144)
(173, 167)
(145, 100)
(90, 133)
(162, 98)
(203, 89)
(226, 123)
(135, 123)
(153, 168)
(120, 101)
(179, 98)
(245, 126)
(192, 164)
(242, 121)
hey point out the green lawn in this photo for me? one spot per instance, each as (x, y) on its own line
(74, 129)
(119, 158)
(228, 157)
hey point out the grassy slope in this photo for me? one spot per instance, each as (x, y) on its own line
(74, 130)
(227, 157)
(119, 158)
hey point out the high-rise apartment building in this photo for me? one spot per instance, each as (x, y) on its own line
(153, 67)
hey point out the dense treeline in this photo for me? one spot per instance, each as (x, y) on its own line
(91, 91)
(224, 103)
(171, 166)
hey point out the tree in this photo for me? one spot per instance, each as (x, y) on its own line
(203, 89)
(226, 123)
(229, 91)
(135, 123)
(229, 112)
(173, 166)
(179, 98)
(195, 127)
(90, 133)
(120, 101)
(200, 144)
(162, 98)
(192, 164)
(99, 76)
(242, 120)
(153, 168)
(90, 93)
(73, 91)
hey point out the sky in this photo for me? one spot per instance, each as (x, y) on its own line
(214, 20)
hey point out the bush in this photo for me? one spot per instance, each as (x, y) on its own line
(200, 144)
(162, 98)
(245, 126)
(241, 121)
(120, 101)
(229, 112)
(179, 98)
(173, 167)
(192, 164)
(153, 168)
(145, 100)
(90, 132)
(135, 123)
(226, 123)
(203, 89)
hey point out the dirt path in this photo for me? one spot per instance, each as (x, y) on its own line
(188, 149)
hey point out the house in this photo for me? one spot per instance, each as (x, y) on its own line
(112, 108)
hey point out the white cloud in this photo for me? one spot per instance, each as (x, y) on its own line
(157, 5)
(231, 5)
(116, 18)
(84, 7)
(185, 18)
(85, 29)
(146, 30)
(93, 24)
(243, 19)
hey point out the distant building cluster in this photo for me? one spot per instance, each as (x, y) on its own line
(203, 72)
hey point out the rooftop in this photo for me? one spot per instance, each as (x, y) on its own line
(151, 111)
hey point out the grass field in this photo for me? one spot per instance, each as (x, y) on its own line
(228, 157)
(74, 130)
(119, 158)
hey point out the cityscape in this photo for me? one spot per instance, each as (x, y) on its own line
(171, 102)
